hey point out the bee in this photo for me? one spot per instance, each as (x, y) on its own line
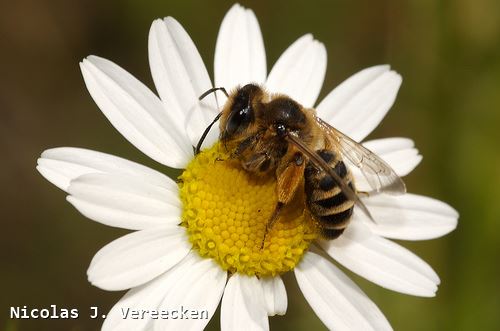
(272, 133)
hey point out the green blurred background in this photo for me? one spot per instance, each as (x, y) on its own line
(448, 53)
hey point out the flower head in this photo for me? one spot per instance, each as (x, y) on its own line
(198, 242)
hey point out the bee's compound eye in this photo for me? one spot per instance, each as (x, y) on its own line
(239, 120)
(280, 129)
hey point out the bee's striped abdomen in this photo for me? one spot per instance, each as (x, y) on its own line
(325, 200)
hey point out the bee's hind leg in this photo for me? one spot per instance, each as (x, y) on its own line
(289, 176)
(271, 221)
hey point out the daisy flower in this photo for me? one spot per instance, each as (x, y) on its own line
(197, 241)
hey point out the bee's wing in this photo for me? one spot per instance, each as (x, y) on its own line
(319, 163)
(379, 175)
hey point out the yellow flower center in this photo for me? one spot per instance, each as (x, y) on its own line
(226, 210)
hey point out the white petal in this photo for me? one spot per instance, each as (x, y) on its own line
(180, 77)
(399, 153)
(382, 261)
(337, 301)
(124, 201)
(62, 165)
(240, 57)
(358, 105)
(243, 305)
(300, 71)
(275, 295)
(409, 217)
(138, 257)
(136, 112)
(146, 297)
(199, 289)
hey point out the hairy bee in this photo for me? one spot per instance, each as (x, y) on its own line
(272, 133)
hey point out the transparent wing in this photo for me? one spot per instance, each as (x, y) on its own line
(379, 175)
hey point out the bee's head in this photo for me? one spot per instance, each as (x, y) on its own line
(239, 113)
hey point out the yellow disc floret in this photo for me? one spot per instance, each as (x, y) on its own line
(226, 209)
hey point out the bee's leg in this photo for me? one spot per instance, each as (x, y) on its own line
(289, 176)
(271, 221)
(275, 215)
(243, 145)
(363, 194)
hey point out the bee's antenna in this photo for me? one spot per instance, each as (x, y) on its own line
(212, 90)
(205, 133)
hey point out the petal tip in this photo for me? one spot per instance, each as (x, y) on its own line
(234, 10)
(46, 154)
(156, 22)
(307, 37)
(321, 47)
(40, 168)
(170, 20)
(236, 5)
(92, 59)
(384, 67)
